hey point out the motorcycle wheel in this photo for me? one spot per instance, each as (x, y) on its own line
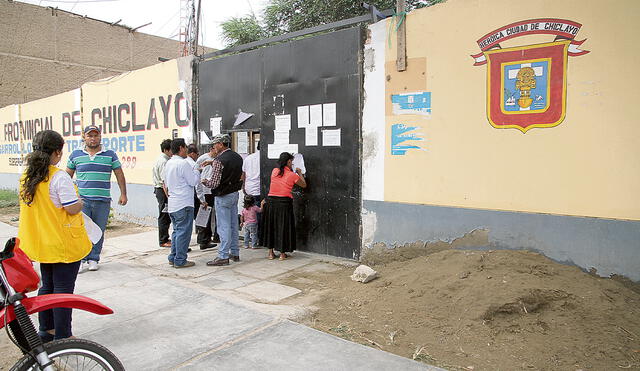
(74, 354)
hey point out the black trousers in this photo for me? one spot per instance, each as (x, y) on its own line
(205, 234)
(164, 221)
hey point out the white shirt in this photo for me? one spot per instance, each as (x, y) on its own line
(157, 173)
(251, 167)
(201, 190)
(61, 190)
(180, 177)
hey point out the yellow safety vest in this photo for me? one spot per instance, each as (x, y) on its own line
(49, 234)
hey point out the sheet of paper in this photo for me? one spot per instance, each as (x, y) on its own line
(203, 216)
(242, 117)
(315, 115)
(329, 114)
(283, 122)
(298, 163)
(243, 142)
(214, 125)
(331, 138)
(281, 137)
(204, 138)
(311, 136)
(303, 116)
(274, 150)
(187, 134)
(94, 232)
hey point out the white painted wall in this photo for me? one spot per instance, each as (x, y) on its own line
(373, 115)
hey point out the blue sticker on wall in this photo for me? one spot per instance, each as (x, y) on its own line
(401, 133)
(412, 103)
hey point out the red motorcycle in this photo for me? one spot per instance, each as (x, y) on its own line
(17, 277)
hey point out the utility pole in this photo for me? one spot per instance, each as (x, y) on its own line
(401, 59)
(195, 39)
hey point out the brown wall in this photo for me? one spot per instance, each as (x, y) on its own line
(44, 51)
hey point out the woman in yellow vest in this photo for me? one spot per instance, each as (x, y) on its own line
(51, 228)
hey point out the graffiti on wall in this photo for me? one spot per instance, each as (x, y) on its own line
(400, 134)
(526, 85)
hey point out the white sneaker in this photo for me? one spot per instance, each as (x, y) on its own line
(93, 265)
(84, 266)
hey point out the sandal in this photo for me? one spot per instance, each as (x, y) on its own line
(271, 257)
(283, 256)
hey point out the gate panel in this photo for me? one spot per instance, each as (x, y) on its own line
(309, 71)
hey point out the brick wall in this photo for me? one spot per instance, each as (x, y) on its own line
(44, 51)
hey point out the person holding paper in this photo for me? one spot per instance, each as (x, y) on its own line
(279, 222)
(52, 230)
(207, 236)
(157, 175)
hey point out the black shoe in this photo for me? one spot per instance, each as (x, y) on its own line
(189, 249)
(235, 258)
(218, 262)
(207, 246)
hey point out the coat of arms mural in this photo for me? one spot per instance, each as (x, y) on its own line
(527, 85)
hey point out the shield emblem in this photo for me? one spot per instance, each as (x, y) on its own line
(526, 85)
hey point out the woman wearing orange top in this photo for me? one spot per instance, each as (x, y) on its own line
(279, 229)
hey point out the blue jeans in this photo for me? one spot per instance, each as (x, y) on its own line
(57, 278)
(227, 225)
(98, 211)
(182, 221)
(251, 235)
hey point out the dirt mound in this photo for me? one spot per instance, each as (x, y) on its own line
(496, 310)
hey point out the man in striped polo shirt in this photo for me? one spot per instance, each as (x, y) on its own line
(92, 166)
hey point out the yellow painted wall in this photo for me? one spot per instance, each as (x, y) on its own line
(70, 112)
(139, 87)
(50, 113)
(586, 166)
(10, 150)
(63, 109)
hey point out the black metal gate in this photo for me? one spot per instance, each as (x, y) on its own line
(276, 80)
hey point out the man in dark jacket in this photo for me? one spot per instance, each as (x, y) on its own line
(225, 182)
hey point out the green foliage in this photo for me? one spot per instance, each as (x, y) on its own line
(241, 30)
(283, 16)
(8, 197)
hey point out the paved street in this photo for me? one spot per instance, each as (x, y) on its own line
(201, 318)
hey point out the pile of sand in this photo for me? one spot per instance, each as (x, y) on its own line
(484, 310)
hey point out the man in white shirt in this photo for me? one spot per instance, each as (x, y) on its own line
(164, 221)
(180, 178)
(251, 176)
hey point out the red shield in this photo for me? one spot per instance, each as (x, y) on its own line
(526, 86)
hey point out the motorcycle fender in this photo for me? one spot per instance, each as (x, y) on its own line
(43, 302)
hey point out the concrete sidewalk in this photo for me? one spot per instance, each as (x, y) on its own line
(202, 318)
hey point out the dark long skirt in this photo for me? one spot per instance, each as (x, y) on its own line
(279, 228)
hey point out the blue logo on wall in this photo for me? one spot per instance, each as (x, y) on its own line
(401, 133)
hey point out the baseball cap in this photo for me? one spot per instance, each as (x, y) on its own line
(221, 138)
(91, 128)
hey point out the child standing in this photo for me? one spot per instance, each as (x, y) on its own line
(249, 221)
